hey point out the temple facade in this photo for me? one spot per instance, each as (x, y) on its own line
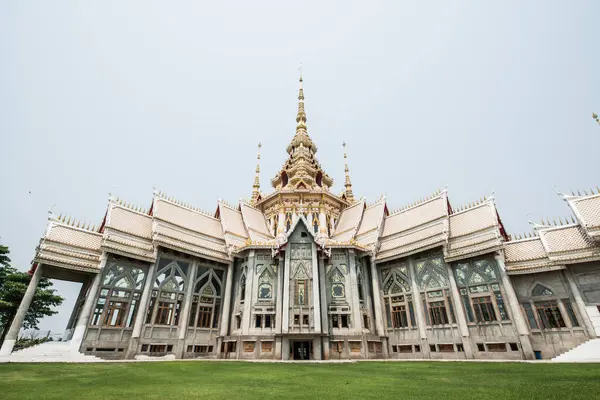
(305, 273)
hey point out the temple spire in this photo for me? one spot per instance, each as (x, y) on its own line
(301, 117)
(301, 138)
(347, 184)
(256, 185)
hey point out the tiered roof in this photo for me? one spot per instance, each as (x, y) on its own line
(552, 247)
(431, 222)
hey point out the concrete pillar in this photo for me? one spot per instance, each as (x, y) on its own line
(316, 293)
(17, 322)
(517, 315)
(285, 348)
(580, 304)
(356, 314)
(250, 295)
(226, 314)
(85, 286)
(140, 317)
(459, 312)
(326, 353)
(84, 316)
(378, 314)
(419, 312)
(323, 291)
(281, 222)
(286, 301)
(317, 349)
(185, 312)
(322, 221)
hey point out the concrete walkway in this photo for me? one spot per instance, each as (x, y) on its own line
(53, 352)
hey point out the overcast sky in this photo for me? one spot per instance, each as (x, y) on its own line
(121, 96)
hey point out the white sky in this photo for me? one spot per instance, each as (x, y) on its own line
(121, 96)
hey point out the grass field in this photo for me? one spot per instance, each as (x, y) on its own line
(238, 380)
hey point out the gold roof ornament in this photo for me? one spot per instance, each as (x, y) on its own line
(302, 170)
(256, 185)
(348, 185)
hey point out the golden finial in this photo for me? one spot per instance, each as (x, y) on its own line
(578, 192)
(301, 116)
(348, 183)
(256, 185)
(60, 216)
(595, 116)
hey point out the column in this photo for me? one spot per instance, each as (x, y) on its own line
(141, 313)
(185, 312)
(250, 296)
(85, 286)
(322, 221)
(580, 304)
(377, 309)
(459, 311)
(316, 293)
(420, 313)
(281, 222)
(90, 300)
(356, 314)
(226, 314)
(17, 322)
(279, 307)
(515, 309)
(285, 323)
(324, 308)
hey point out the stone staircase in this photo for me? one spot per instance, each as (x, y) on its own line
(49, 352)
(585, 352)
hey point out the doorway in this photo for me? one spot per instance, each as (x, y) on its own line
(302, 350)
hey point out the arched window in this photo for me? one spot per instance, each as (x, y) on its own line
(315, 222)
(167, 295)
(243, 287)
(541, 290)
(319, 179)
(546, 310)
(301, 287)
(398, 299)
(284, 179)
(337, 284)
(206, 301)
(265, 284)
(480, 291)
(119, 295)
(359, 279)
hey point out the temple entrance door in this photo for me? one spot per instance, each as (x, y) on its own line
(302, 350)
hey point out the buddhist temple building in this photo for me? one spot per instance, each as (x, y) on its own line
(301, 272)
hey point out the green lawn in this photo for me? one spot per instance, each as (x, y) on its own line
(239, 380)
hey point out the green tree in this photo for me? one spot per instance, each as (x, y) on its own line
(13, 285)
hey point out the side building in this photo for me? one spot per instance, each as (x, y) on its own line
(303, 273)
